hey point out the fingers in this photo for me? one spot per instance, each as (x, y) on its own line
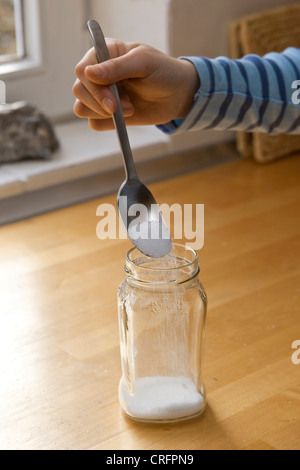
(101, 124)
(87, 105)
(101, 99)
(107, 124)
(83, 111)
(133, 64)
(87, 99)
(116, 49)
(95, 100)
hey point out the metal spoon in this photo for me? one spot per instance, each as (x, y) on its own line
(147, 230)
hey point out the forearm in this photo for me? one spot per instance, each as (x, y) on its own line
(250, 94)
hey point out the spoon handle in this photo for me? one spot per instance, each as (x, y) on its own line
(102, 54)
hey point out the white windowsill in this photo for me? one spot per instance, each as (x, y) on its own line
(89, 165)
(20, 68)
(82, 153)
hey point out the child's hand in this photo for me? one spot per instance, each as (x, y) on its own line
(154, 88)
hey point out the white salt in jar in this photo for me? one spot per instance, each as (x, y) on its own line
(162, 313)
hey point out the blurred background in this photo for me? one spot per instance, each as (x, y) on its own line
(40, 43)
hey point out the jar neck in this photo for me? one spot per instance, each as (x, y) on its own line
(180, 266)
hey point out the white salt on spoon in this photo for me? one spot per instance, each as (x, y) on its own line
(151, 237)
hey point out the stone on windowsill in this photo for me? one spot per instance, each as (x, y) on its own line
(25, 133)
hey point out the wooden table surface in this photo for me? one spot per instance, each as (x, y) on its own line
(60, 360)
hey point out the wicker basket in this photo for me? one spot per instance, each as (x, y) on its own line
(261, 33)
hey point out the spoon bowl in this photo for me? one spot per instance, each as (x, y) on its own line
(143, 221)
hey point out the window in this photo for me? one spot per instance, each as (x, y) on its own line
(11, 30)
(55, 39)
(20, 38)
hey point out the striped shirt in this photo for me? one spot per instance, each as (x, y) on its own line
(260, 94)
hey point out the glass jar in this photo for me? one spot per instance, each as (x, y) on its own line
(162, 314)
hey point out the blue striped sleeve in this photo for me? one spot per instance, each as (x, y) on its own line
(250, 94)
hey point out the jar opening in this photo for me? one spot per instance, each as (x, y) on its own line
(180, 265)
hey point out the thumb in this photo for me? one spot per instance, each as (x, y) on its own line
(129, 65)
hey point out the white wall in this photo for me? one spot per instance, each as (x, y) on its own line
(178, 27)
(134, 20)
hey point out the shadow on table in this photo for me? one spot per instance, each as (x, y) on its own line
(205, 432)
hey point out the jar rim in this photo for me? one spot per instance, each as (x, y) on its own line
(185, 264)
